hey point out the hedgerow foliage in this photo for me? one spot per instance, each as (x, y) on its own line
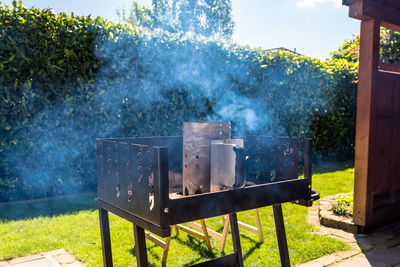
(66, 80)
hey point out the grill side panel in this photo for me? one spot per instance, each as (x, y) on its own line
(133, 177)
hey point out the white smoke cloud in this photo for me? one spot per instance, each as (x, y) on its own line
(312, 3)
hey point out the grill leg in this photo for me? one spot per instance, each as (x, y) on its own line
(237, 248)
(281, 235)
(105, 238)
(140, 243)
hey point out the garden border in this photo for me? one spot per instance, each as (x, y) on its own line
(328, 218)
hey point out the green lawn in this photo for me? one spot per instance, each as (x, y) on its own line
(72, 223)
(331, 179)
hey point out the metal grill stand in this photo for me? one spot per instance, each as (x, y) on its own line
(133, 183)
(235, 259)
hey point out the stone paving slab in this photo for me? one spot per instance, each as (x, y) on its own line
(331, 259)
(55, 258)
(378, 249)
(311, 264)
(41, 262)
(360, 260)
(390, 256)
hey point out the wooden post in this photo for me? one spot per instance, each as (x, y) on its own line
(258, 225)
(204, 234)
(377, 165)
(207, 238)
(161, 243)
(369, 56)
(224, 233)
(166, 249)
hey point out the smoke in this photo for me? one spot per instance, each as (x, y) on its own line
(200, 67)
(247, 115)
(149, 84)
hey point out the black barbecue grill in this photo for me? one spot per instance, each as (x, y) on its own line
(137, 180)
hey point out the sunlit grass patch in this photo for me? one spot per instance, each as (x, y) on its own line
(33, 230)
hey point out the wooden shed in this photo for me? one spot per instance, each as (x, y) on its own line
(377, 157)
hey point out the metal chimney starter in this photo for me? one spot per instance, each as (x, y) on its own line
(228, 164)
(197, 137)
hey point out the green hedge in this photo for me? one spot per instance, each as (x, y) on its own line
(66, 81)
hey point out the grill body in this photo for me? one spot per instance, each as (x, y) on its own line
(134, 176)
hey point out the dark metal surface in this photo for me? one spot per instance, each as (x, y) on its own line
(237, 248)
(174, 145)
(140, 246)
(281, 235)
(308, 167)
(134, 176)
(160, 231)
(134, 179)
(191, 208)
(260, 163)
(105, 238)
(207, 205)
(272, 159)
(315, 195)
(197, 137)
(224, 261)
(287, 153)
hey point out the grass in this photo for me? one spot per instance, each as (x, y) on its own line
(332, 179)
(72, 223)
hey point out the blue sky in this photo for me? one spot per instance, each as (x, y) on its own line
(314, 27)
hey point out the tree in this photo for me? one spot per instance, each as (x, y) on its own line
(136, 15)
(348, 51)
(211, 18)
(389, 48)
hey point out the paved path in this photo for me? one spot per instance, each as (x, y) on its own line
(55, 258)
(380, 248)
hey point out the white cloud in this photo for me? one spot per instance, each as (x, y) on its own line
(311, 3)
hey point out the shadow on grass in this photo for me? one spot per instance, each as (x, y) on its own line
(197, 245)
(155, 255)
(194, 243)
(47, 207)
(332, 167)
(256, 245)
(219, 229)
